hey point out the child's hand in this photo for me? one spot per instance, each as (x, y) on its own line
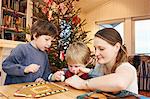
(84, 69)
(39, 80)
(57, 75)
(32, 68)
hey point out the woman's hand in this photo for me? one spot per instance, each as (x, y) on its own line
(76, 82)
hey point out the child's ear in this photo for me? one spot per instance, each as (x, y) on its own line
(34, 36)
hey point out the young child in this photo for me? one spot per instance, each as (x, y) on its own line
(29, 62)
(77, 58)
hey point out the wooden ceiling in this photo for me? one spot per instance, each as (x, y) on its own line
(87, 5)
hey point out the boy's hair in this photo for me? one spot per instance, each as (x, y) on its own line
(43, 27)
(112, 36)
(78, 53)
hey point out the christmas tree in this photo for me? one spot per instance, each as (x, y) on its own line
(63, 14)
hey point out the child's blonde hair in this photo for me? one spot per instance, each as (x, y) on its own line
(78, 53)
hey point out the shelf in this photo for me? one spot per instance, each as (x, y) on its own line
(13, 19)
(16, 5)
(10, 10)
(9, 43)
(9, 28)
(14, 35)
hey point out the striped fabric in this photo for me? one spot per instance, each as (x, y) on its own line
(144, 76)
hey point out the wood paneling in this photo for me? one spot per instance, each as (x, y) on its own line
(118, 9)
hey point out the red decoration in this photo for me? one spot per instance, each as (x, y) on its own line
(48, 2)
(76, 20)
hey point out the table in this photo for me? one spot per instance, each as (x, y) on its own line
(9, 90)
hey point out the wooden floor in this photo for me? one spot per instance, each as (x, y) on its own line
(145, 93)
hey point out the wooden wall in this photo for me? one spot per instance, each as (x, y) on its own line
(118, 9)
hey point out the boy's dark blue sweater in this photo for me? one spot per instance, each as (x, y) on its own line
(22, 56)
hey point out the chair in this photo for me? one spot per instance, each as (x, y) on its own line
(142, 64)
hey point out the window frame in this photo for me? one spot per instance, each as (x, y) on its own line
(122, 20)
(140, 18)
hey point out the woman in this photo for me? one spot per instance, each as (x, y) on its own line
(112, 55)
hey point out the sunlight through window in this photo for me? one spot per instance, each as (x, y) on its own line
(142, 37)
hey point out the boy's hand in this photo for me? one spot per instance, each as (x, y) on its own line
(57, 75)
(39, 80)
(32, 68)
(84, 69)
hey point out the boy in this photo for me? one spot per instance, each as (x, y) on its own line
(77, 58)
(29, 62)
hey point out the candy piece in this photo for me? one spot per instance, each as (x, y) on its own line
(62, 78)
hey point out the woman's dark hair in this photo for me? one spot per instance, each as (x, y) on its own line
(111, 36)
(43, 27)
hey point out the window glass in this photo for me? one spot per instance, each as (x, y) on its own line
(142, 37)
(118, 26)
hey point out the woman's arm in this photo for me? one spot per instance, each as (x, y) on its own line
(111, 82)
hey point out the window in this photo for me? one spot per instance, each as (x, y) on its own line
(119, 26)
(142, 37)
